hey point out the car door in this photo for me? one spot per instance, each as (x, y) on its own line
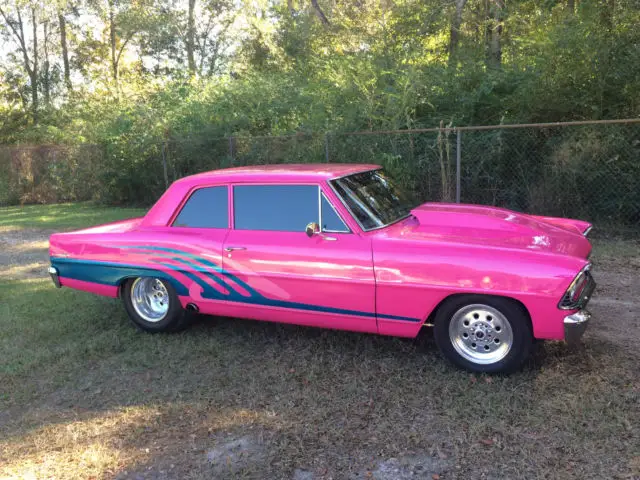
(282, 274)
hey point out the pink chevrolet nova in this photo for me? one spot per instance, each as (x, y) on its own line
(340, 246)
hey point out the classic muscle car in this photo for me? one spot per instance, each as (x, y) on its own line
(340, 246)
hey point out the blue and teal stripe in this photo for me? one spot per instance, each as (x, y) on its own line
(109, 273)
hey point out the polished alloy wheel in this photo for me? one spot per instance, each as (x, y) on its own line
(481, 334)
(150, 299)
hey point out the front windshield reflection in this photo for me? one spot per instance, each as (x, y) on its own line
(373, 198)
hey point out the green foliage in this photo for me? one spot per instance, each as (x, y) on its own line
(274, 68)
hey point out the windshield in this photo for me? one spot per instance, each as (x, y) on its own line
(373, 198)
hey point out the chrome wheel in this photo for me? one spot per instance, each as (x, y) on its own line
(481, 334)
(150, 299)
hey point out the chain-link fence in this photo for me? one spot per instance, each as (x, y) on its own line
(49, 173)
(587, 170)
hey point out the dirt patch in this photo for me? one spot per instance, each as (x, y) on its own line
(24, 253)
(408, 468)
(616, 301)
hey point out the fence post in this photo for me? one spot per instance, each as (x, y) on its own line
(458, 162)
(326, 147)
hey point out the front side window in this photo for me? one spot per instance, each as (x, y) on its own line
(283, 208)
(206, 208)
(331, 221)
(373, 198)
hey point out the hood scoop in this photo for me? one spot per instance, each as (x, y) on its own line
(490, 226)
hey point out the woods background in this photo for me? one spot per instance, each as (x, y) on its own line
(96, 97)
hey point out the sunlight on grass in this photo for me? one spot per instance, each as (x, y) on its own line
(92, 447)
(63, 216)
(19, 271)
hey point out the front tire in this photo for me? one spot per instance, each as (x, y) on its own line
(483, 334)
(153, 305)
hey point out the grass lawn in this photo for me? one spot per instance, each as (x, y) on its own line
(62, 216)
(83, 394)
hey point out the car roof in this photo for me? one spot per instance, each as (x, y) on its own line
(308, 172)
(164, 208)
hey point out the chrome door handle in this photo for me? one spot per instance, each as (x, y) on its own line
(231, 249)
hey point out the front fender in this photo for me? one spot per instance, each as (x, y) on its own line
(414, 280)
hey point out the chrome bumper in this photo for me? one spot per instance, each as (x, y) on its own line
(575, 326)
(53, 271)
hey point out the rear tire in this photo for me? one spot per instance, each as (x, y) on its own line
(153, 305)
(483, 334)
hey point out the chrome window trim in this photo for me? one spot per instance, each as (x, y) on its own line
(355, 218)
(348, 230)
(319, 208)
(233, 193)
(185, 201)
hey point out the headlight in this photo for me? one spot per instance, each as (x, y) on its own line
(586, 232)
(579, 290)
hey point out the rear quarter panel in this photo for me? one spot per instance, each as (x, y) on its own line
(100, 262)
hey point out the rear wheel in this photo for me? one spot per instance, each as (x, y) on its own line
(153, 305)
(483, 333)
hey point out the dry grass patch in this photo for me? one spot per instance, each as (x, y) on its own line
(93, 447)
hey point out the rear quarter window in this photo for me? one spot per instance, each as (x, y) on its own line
(206, 208)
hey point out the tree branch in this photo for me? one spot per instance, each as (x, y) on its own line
(319, 13)
(23, 47)
(124, 44)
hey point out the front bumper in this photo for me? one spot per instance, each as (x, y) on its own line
(53, 271)
(575, 326)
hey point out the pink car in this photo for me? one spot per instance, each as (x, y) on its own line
(339, 246)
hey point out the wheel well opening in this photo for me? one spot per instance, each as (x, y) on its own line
(432, 316)
(121, 283)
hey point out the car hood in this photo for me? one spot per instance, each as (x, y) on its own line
(494, 227)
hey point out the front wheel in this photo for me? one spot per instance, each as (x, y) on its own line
(153, 305)
(483, 334)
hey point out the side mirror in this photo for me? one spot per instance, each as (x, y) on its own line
(312, 229)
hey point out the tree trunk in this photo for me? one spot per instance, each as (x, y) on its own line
(17, 27)
(65, 51)
(45, 67)
(571, 6)
(34, 70)
(495, 21)
(319, 13)
(112, 38)
(191, 37)
(607, 8)
(454, 34)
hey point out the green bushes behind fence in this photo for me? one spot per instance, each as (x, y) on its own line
(582, 171)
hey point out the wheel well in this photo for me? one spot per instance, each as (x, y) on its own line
(430, 319)
(121, 283)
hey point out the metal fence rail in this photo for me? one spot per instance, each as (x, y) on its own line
(586, 169)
